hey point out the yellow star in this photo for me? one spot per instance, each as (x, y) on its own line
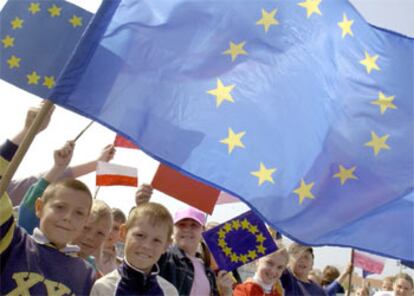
(260, 238)
(227, 251)
(236, 224)
(222, 233)
(304, 191)
(49, 81)
(233, 140)
(378, 143)
(234, 258)
(227, 227)
(8, 41)
(33, 78)
(243, 259)
(268, 19)
(34, 8)
(345, 174)
(261, 249)
(384, 102)
(252, 254)
(222, 243)
(222, 93)
(235, 50)
(245, 224)
(253, 229)
(14, 62)
(370, 62)
(345, 25)
(17, 23)
(54, 10)
(312, 6)
(76, 21)
(264, 174)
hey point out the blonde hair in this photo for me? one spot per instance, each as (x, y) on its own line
(53, 189)
(405, 276)
(100, 210)
(279, 252)
(156, 213)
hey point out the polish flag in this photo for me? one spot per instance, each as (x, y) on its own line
(369, 262)
(225, 198)
(124, 143)
(108, 174)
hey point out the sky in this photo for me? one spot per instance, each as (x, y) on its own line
(395, 15)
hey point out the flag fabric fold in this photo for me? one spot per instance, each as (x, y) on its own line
(108, 174)
(300, 108)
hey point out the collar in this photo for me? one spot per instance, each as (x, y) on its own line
(154, 271)
(39, 237)
(266, 287)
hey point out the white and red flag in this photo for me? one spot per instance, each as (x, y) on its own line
(368, 262)
(124, 143)
(108, 174)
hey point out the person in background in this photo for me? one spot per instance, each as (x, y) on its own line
(362, 291)
(315, 275)
(295, 278)
(266, 280)
(402, 286)
(109, 260)
(147, 235)
(332, 282)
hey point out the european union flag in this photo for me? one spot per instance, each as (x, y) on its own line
(300, 108)
(239, 241)
(37, 39)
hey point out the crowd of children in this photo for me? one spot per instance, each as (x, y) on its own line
(64, 242)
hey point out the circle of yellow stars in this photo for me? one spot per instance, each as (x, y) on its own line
(14, 62)
(245, 225)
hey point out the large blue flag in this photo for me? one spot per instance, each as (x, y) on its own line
(239, 241)
(300, 108)
(37, 39)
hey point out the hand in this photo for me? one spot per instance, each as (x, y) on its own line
(107, 153)
(143, 194)
(224, 283)
(63, 155)
(31, 115)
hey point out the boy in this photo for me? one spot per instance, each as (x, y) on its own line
(266, 280)
(39, 264)
(147, 235)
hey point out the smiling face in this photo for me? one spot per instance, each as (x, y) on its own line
(271, 267)
(402, 287)
(63, 216)
(187, 235)
(302, 265)
(145, 242)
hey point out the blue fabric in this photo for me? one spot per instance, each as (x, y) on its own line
(43, 42)
(302, 104)
(238, 241)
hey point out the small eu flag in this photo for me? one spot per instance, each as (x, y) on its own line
(37, 39)
(239, 241)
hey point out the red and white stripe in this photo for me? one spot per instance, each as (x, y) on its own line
(369, 262)
(108, 174)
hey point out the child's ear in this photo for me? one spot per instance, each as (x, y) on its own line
(38, 207)
(122, 232)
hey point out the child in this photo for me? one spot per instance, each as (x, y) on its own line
(39, 264)
(147, 235)
(266, 279)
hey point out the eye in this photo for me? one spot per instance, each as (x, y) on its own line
(100, 233)
(80, 213)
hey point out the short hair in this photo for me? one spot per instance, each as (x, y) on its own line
(100, 210)
(70, 183)
(296, 249)
(281, 251)
(404, 276)
(329, 274)
(156, 213)
(118, 215)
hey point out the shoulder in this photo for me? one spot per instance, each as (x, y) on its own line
(166, 286)
(106, 285)
(247, 288)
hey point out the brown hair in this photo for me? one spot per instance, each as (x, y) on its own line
(118, 215)
(296, 249)
(156, 213)
(329, 274)
(70, 183)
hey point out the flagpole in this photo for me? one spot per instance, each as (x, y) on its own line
(350, 275)
(96, 192)
(83, 131)
(24, 146)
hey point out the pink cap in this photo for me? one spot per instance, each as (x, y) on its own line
(190, 213)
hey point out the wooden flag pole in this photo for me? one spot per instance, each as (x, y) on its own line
(24, 146)
(82, 131)
(350, 275)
